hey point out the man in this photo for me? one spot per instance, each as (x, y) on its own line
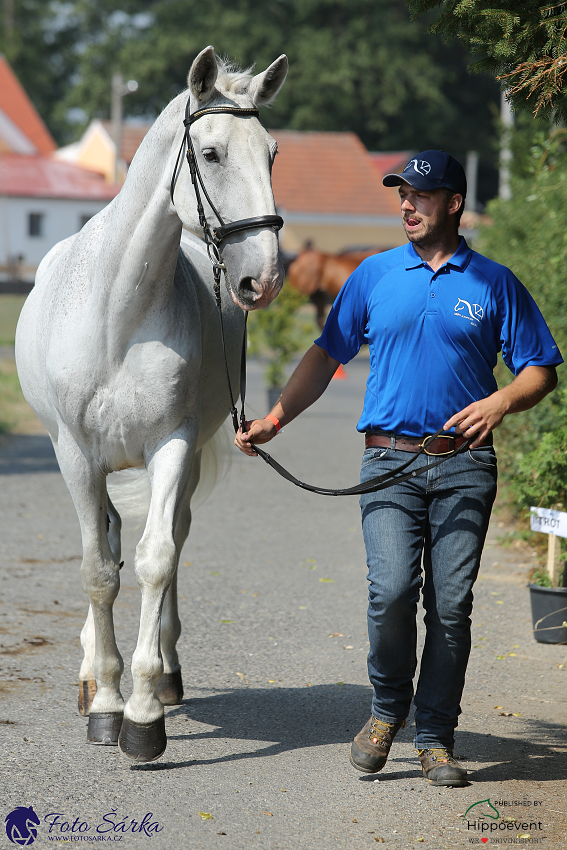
(434, 314)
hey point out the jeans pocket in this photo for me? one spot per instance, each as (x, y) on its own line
(372, 455)
(483, 456)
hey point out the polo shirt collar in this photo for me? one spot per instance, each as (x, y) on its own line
(460, 259)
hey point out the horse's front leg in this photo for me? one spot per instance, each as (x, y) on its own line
(142, 736)
(101, 582)
(170, 686)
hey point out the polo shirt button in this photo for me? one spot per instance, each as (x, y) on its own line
(433, 295)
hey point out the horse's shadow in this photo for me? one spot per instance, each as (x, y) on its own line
(297, 718)
(291, 718)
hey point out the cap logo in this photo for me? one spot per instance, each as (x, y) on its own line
(420, 165)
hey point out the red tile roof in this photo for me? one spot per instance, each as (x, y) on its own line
(132, 136)
(328, 173)
(15, 103)
(42, 177)
(388, 162)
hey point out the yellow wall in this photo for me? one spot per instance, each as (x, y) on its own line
(333, 238)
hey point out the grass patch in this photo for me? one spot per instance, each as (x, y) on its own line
(15, 413)
(10, 307)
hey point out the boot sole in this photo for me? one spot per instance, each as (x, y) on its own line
(451, 783)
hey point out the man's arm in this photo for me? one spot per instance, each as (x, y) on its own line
(525, 391)
(306, 385)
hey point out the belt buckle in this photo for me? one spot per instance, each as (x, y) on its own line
(430, 437)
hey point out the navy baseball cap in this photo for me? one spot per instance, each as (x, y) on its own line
(431, 170)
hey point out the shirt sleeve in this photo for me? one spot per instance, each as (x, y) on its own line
(345, 328)
(525, 338)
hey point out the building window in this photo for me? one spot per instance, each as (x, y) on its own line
(83, 219)
(35, 224)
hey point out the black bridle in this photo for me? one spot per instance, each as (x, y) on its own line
(215, 235)
(213, 240)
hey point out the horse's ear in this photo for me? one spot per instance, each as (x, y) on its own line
(265, 86)
(203, 74)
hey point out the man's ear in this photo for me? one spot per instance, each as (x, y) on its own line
(456, 203)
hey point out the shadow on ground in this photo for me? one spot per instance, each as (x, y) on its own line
(23, 453)
(297, 718)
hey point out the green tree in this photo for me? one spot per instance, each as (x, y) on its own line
(528, 235)
(522, 42)
(367, 68)
(39, 39)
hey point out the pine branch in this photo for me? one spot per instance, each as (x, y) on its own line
(520, 42)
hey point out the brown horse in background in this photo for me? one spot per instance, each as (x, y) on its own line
(320, 276)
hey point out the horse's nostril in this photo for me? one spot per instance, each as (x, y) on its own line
(247, 285)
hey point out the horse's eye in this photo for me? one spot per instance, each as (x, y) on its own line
(210, 156)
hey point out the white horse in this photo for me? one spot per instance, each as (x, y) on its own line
(119, 354)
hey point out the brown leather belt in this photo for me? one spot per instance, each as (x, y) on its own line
(439, 446)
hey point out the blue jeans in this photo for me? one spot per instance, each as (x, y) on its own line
(424, 535)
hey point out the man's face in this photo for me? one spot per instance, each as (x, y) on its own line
(427, 216)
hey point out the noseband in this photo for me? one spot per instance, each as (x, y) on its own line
(214, 236)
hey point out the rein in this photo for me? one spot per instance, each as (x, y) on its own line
(213, 240)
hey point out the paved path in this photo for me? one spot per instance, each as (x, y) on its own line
(273, 650)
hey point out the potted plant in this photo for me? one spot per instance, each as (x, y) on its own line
(279, 333)
(549, 608)
(542, 478)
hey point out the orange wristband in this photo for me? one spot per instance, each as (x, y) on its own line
(275, 421)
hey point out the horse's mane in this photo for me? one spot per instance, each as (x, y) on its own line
(231, 77)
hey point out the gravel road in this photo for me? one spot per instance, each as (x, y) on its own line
(273, 599)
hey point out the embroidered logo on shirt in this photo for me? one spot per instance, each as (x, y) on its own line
(420, 165)
(473, 312)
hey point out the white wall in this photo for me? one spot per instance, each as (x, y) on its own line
(61, 218)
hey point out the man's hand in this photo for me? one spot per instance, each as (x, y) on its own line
(478, 419)
(481, 417)
(257, 431)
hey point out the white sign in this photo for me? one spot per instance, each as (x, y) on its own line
(548, 521)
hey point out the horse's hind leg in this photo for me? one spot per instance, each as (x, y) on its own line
(99, 572)
(170, 686)
(87, 681)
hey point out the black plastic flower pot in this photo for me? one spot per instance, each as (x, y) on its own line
(549, 613)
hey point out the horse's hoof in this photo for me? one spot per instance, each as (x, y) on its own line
(170, 688)
(143, 741)
(87, 691)
(104, 727)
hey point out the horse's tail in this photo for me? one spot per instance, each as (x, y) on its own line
(130, 490)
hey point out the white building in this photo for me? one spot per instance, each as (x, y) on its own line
(42, 200)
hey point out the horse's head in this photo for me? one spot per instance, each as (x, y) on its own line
(234, 155)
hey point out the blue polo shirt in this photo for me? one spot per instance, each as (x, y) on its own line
(433, 336)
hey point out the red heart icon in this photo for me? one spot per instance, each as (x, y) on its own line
(484, 840)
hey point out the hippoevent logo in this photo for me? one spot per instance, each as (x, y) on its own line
(22, 826)
(484, 819)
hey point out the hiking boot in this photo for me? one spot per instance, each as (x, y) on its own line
(440, 767)
(370, 748)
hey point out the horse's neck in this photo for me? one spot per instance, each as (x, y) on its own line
(142, 231)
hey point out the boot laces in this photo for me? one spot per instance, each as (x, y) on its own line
(380, 732)
(438, 754)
